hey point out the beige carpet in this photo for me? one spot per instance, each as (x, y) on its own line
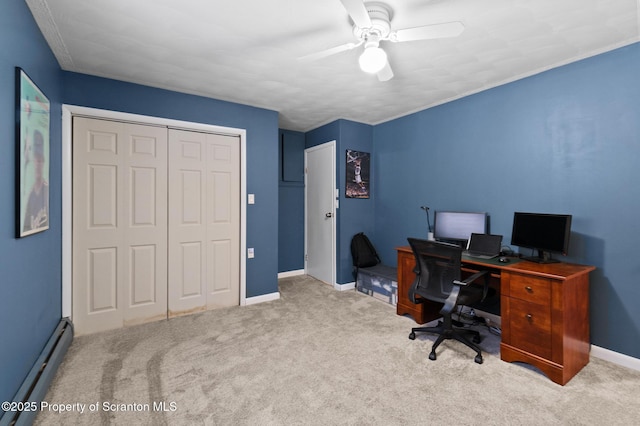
(318, 357)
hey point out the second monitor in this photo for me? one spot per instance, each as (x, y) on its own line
(458, 226)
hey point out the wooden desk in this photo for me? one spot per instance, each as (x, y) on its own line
(544, 310)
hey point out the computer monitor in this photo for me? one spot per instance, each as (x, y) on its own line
(458, 226)
(547, 233)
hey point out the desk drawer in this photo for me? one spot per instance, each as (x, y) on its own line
(531, 289)
(531, 327)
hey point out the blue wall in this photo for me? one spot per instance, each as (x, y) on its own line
(30, 267)
(291, 202)
(564, 141)
(354, 215)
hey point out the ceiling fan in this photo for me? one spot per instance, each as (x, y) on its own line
(371, 25)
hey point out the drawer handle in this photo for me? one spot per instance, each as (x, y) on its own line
(529, 289)
(529, 317)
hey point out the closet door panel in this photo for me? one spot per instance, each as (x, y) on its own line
(187, 227)
(223, 200)
(204, 212)
(119, 224)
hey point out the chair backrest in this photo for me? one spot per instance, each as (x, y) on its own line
(437, 266)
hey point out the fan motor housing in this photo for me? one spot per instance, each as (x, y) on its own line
(380, 15)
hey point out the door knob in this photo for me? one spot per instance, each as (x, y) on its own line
(328, 214)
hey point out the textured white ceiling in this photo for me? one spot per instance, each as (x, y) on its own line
(246, 51)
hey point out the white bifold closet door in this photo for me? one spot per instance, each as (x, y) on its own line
(119, 224)
(154, 235)
(204, 221)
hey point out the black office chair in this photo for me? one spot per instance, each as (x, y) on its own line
(438, 279)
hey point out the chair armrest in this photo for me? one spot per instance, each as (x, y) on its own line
(452, 300)
(471, 279)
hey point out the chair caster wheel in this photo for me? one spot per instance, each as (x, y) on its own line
(412, 336)
(478, 359)
(477, 339)
(432, 356)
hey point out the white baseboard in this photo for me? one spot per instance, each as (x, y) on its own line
(262, 298)
(616, 357)
(287, 274)
(345, 287)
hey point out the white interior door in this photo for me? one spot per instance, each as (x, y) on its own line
(204, 215)
(320, 212)
(119, 224)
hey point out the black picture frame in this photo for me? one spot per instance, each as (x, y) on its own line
(358, 177)
(33, 118)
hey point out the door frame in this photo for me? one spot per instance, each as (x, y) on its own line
(332, 145)
(68, 111)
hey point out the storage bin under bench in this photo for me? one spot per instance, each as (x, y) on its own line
(380, 281)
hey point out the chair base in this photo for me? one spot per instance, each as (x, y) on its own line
(451, 332)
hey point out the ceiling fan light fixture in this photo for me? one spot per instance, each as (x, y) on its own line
(372, 25)
(373, 59)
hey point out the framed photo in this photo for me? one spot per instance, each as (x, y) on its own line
(32, 134)
(358, 177)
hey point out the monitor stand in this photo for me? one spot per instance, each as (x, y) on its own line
(542, 257)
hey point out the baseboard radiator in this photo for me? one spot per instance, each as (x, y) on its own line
(34, 388)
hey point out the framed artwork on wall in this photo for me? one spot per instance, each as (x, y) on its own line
(357, 174)
(32, 134)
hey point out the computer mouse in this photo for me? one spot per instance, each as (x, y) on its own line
(504, 259)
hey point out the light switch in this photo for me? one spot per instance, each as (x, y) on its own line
(251, 199)
(250, 253)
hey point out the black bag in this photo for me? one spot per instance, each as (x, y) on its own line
(362, 251)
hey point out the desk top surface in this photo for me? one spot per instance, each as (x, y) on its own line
(558, 271)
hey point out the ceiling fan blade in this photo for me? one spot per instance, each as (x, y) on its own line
(332, 51)
(358, 12)
(386, 73)
(448, 29)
